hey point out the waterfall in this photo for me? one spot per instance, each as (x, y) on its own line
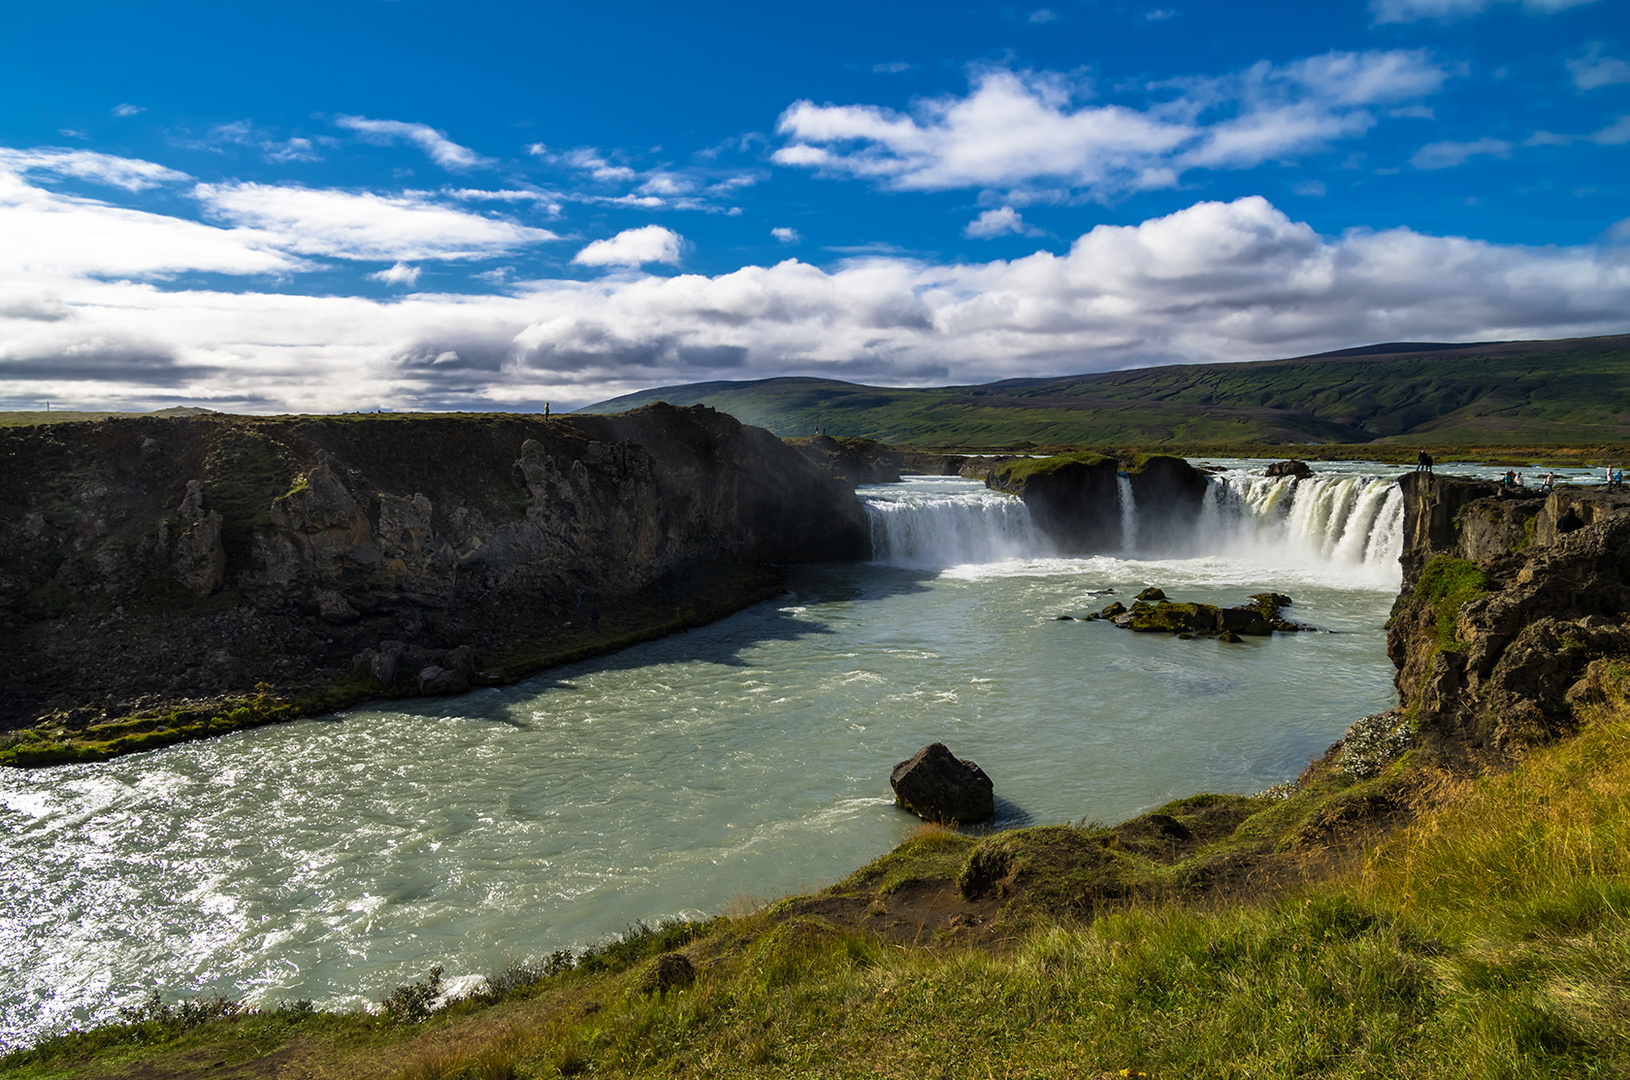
(1328, 519)
(1129, 512)
(1343, 519)
(927, 526)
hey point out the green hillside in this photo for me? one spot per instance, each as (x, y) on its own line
(1534, 392)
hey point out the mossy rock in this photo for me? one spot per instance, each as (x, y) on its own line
(1058, 869)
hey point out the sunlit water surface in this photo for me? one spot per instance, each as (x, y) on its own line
(334, 858)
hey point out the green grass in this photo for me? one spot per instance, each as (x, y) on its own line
(1448, 583)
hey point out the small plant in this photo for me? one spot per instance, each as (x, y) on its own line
(416, 1001)
(182, 1015)
(1373, 742)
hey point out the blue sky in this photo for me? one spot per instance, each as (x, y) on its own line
(412, 204)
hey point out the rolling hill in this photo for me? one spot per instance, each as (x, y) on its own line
(1572, 391)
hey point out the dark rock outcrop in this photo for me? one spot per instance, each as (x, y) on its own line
(937, 786)
(931, 463)
(150, 559)
(1261, 617)
(1294, 467)
(1072, 498)
(1075, 499)
(1492, 647)
(853, 461)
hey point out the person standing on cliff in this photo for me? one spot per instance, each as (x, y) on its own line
(1423, 462)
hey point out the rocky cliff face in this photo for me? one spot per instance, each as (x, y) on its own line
(1505, 623)
(1075, 498)
(191, 556)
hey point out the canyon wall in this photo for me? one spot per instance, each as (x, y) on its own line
(1076, 500)
(164, 558)
(1505, 622)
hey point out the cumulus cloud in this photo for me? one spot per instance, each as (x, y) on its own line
(440, 149)
(1594, 70)
(634, 247)
(1446, 155)
(127, 109)
(1023, 130)
(784, 235)
(365, 225)
(998, 222)
(400, 274)
(1386, 11)
(1216, 281)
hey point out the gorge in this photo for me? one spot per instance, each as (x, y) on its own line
(336, 856)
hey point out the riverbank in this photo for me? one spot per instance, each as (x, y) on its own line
(101, 731)
(1486, 937)
(163, 579)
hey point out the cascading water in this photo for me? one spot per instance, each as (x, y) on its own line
(1129, 512)
(931, 523)
(1332, 518)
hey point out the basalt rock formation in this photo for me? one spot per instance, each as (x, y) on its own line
(1505, 623)
(145, 560)
(1075, 499)
(854, 461)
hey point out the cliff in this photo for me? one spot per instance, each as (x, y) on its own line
(1505, 623)
(145, 561)
(1074, 499)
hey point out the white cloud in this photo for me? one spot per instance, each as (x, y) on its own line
(998, 222)
(1593, 69)
(350, 225)
(277, 151)
(131, 174)
(1216, 281)
(52, 237)
(440, 149)
(1447, 155)
(400, 274)
(1020, 131)
(784, 235)
(1313, 189)
(893, 67)
(1043, 15)
(1615, 134)
(1386, 11)
(127, 109)
(634, 247)
(1159, 14)
(593, 163)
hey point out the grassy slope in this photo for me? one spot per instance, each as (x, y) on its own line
(1490, 938)
(1570, 391)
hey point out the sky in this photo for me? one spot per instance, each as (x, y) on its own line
(483, 205)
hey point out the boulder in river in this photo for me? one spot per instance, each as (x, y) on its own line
(1293, 467)
(937, 786)
(1152, 593)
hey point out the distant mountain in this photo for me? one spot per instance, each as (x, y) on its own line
(1507, 392)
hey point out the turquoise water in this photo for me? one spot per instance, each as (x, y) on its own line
(335, 858)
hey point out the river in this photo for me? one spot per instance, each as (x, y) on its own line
(334, 858)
